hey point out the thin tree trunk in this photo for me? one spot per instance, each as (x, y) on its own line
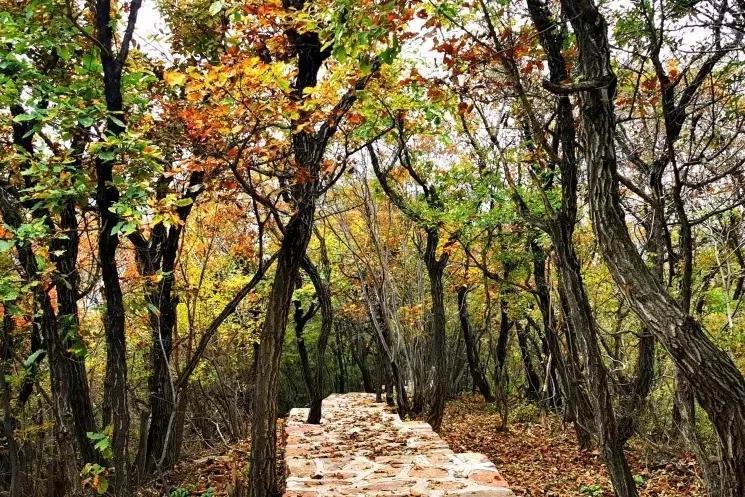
(301, 319)
(360, 354)
(15, 488)
(383, 332)
(156, 259)
(474, 365)
(116, 403)
(323, 295)
(556, 377)
(342, 376)
(533, 381)
(505, 325)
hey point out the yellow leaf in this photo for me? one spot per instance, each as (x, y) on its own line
(174, 78)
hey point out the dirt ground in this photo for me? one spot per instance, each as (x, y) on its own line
(542, 459)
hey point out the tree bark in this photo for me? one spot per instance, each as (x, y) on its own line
(295, 240)
(532, 380)
(156, 260)
(301, 319)
(71, 446)
(15, 488)
(360, 353)
(327, 317)
(505, 325)
(340, 364)
(116, 403)
(474, 364)
(56, 331)
(435, 269)
(557, 375)
(717, 382)
(308, 148)
(392, 372)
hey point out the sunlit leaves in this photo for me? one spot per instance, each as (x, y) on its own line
(174, 78)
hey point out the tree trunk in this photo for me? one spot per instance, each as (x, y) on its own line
(717, 382)
(560, 228)
(392, 374)
(69, 446)
(308, 148)
(379, 376)
(301, 319)
(157, 257)
(557, 376)
(532, 380)
(68, 323)
(342, 368)
(505, 325)
(116, 404)
(360, 354)
(297, 234)
(685, 405)
(435, 269)
(323, 295)
(58, 334)
(474, 365)
(597, 379)
(15, 488)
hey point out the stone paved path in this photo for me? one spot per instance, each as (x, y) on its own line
(362, 449)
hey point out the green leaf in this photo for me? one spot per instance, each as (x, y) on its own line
(103, 485)
(106, 154)
(215, 7)
(25, 117)
(6, 245)
(86, 121)
(117, 121)
(30, 360)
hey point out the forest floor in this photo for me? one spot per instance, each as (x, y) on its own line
(537, 458)
(541, 459)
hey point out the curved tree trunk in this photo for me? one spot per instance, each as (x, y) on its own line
(717, 382)
(308, 149)
(596, 378)
(263, 428)
(392, 373)
(474, 365)
(327, 317)
(301, 319)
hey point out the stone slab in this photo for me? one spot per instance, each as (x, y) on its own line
(361, 449)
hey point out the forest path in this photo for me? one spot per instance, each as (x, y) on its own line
(361, 449)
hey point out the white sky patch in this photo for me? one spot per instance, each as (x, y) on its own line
(152, 33)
